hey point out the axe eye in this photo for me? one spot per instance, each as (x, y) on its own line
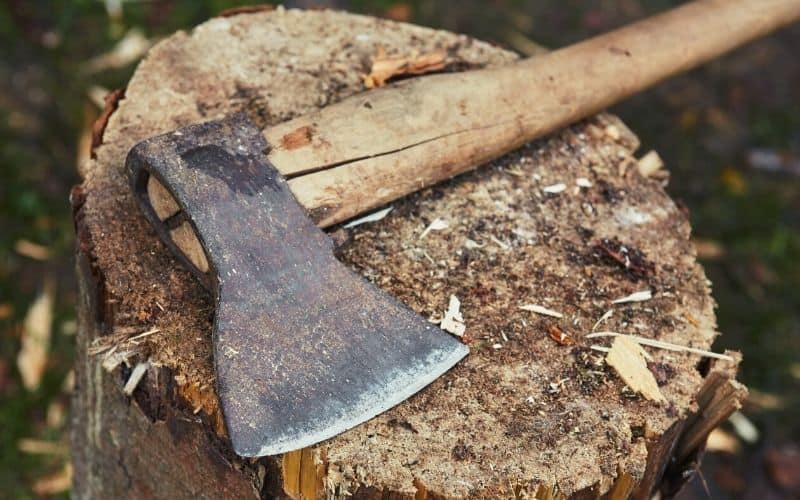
(174, 222)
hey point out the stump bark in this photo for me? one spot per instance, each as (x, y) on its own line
(528, 413)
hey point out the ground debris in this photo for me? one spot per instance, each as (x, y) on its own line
(630, 258)
(36, 331)
(453, 320)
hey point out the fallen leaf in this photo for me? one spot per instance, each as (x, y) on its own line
(36, 330)
(385, 67)
(453, 320)
(31, 250)
(53, 484)
(129, 49)
(6, 310)
(629, 360)
(783, 467)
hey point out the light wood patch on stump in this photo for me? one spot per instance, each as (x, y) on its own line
(523, 415)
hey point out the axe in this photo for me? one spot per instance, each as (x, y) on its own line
(303, 347)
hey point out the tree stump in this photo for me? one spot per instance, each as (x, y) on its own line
(533, 411)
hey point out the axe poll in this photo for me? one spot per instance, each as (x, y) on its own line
(304, 348)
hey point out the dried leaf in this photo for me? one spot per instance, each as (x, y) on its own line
(36, 331)
(453, 321)
(630, 362)
(541, 310)
(385, 67)
(649, 164)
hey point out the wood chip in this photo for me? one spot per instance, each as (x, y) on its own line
(453, 321)
(649, 164)
(635, 297)
(373, 217)
(385, 67)
(630, 362)
(555, 188)
(36, 332)
(137, 375)
(437, 224)
(541, 310)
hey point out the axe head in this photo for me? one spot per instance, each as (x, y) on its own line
(304, 348)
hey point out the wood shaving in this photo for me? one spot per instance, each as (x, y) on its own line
(36, 332)
(662, 345)
(649, 164)
(373, 217)
(437, 224)
(385, 67)
(453, 321)
(555, 188)
(541, 310)
(137, 375)
(629, 360)
(635, 297)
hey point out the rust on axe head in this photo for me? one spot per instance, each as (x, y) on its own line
(304, 348)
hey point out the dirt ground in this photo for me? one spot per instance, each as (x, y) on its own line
(729, 134)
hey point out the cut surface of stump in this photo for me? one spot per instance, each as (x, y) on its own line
(566, 224)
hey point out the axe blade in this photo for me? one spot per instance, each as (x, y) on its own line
(304, 348)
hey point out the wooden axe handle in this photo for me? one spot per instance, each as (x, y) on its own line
(377, 146)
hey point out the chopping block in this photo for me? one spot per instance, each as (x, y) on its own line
(534, 410)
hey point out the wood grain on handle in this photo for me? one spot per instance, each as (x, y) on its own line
(383, 144)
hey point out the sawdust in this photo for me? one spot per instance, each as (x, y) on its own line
(521, 411)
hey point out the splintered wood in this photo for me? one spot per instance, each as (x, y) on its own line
(385, 67)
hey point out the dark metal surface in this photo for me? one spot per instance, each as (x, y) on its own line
(304, 348)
